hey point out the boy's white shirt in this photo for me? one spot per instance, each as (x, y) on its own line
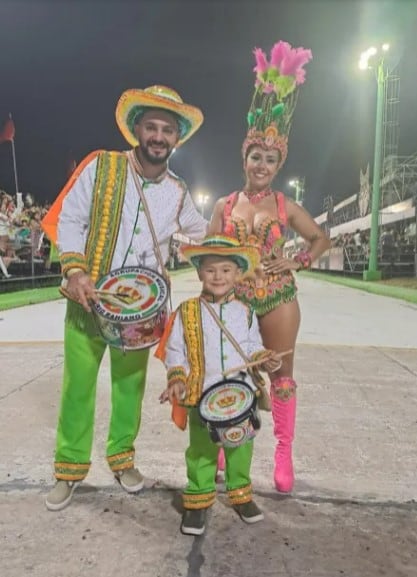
(219, 353)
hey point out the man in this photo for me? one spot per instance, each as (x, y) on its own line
(103, 226)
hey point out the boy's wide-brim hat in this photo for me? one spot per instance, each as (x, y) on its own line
(246, 256)
(134, 102)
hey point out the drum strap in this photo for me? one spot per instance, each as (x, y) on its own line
(149, 219)
(264, 400)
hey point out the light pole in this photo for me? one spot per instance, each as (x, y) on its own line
(298, 184)
(373, 273)
(202, 200)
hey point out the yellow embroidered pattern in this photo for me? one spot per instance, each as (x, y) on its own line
(108, 197)
(71, 260)
(71, 471)
(175, 374)
(193, 335)
(201, 501)
(241, 495)
(121, 461)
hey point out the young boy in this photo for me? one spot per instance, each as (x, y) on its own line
(197, 352)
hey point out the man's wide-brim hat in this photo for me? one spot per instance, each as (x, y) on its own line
(245, 256)
(134, 102)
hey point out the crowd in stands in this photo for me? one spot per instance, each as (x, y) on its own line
(23, 244)
(22, 241)
(394, 242)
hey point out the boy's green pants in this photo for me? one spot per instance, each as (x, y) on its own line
(201, 460)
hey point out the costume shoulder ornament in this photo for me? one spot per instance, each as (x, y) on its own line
(273, 103)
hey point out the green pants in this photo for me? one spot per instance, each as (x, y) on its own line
(201, 461)
(83, 355)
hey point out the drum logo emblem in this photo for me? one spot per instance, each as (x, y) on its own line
(227, 401)
(131, 294)
(235, 434)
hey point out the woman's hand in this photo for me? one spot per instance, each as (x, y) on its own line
(81, 289)
(176, 390)
(280, 264)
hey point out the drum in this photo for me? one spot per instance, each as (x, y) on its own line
(132, 310)
(229, 410)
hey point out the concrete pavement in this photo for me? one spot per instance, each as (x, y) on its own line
(353, 511)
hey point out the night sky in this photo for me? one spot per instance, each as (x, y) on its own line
(64, 64)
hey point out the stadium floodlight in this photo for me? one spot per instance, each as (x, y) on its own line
(372, 273)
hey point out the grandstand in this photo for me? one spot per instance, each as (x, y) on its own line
(348, 223)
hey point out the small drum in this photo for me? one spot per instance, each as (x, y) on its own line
(132, 310)
(229, 409)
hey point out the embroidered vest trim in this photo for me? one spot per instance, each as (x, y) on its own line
(106, 212)
(193, 335)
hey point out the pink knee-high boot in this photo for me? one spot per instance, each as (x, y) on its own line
(220, 460)
(283, 412)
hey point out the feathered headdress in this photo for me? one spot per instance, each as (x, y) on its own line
(275, 97)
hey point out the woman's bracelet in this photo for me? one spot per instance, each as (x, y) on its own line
(304, 259)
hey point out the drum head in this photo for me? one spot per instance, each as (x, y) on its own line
(131, 294)
(226, 401)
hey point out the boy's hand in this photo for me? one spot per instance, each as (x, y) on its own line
(272, 363)
(176, 390)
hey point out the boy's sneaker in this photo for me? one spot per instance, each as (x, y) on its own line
(249, 512)
(60, 496)
(194, 521)
(130, 480)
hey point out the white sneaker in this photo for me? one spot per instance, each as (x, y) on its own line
(60, 496)
(131, 480)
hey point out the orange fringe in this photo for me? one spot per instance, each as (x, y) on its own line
(49, 222)
(178, 413)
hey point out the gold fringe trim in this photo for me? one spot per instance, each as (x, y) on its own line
(71, 471)
(175, 374)
(108, 197)
(200, 501)
(193, 335)
(241, 495)
(121, 461)
(73, 465)
(275, 290)
(71, 260)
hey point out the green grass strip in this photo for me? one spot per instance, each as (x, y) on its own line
(376, 288)
(16, 299)
(34, 296)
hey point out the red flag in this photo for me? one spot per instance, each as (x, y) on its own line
(8, 131)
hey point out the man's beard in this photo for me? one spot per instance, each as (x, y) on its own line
(155, 160)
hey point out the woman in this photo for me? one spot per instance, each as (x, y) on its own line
(259, 215)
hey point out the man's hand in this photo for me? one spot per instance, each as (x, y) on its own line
(175, 390)
(81, 289)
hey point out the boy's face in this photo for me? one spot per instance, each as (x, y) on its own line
(218, 275)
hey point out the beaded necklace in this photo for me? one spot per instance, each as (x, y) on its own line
(255, 197)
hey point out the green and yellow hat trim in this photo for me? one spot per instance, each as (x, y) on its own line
(134, 102)
(247, 257)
